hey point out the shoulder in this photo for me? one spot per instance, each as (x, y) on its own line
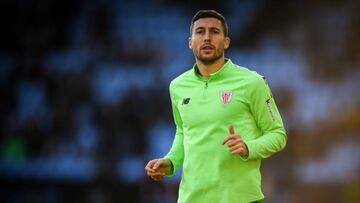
(255, 84)
(181, 79)
(252, 82)
(249, 76)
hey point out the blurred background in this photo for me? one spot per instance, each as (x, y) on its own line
(84, 96)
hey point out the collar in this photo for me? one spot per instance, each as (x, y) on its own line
(218, 74)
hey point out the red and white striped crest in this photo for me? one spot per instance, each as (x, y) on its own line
(225, 96)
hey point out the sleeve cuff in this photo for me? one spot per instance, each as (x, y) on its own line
(173, 169)
(250, 150)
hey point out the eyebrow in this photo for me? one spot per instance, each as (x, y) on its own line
(211, 28)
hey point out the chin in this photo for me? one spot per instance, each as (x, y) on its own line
(209, 60)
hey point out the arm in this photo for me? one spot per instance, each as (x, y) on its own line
(158, 168)
(268, 120)
(176, 153)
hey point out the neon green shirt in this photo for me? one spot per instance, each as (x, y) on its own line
(203, 108)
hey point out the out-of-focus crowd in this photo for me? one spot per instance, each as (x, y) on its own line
(84, 95)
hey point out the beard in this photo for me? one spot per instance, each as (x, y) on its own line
(208, 60)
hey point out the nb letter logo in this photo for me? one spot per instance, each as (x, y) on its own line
(185, 101)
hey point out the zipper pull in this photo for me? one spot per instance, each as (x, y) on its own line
(206, 84)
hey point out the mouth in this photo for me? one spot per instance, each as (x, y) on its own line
(207, 47)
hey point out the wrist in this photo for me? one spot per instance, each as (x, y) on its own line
(169, 163)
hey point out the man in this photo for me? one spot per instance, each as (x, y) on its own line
(226, 122)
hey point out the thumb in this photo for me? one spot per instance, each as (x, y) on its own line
(231, 130)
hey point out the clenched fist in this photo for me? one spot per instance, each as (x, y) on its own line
(157, 168)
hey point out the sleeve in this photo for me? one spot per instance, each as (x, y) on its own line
(268, 120)
(176, 152)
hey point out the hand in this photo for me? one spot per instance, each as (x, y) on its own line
(236, 144)
(157, 168)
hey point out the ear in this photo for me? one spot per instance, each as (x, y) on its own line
(226, 42)
(190, 43)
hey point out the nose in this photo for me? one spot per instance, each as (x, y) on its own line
(207, 36)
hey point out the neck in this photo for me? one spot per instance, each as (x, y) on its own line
(207, 69)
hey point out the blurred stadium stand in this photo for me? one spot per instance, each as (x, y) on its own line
(84, 95)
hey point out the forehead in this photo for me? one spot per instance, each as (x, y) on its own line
(207, 22)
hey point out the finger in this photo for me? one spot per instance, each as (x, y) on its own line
(240, 151)
(149, 166)
(154, 178)
(230, 137)
(155, 173)
(231, 129)
(235, 147)
(157, 178)
(151, 173)
(157, 164)
(236, 150)
(148, 173)
(234, 142)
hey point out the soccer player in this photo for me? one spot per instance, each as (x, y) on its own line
(226, 122)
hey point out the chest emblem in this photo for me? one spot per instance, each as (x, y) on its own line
(225, 96)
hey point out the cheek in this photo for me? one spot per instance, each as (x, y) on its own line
(221, 47)
(195, 42)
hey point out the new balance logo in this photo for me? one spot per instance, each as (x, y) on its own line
(185, 101)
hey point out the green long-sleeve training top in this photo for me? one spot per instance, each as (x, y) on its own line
(203, 108)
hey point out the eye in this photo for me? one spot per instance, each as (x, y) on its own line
(199, 31)
(216, 31)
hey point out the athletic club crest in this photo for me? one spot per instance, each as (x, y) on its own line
(225, 96)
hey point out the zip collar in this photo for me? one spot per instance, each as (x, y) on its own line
(218, 74)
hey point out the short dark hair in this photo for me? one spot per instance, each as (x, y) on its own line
(210, 14)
